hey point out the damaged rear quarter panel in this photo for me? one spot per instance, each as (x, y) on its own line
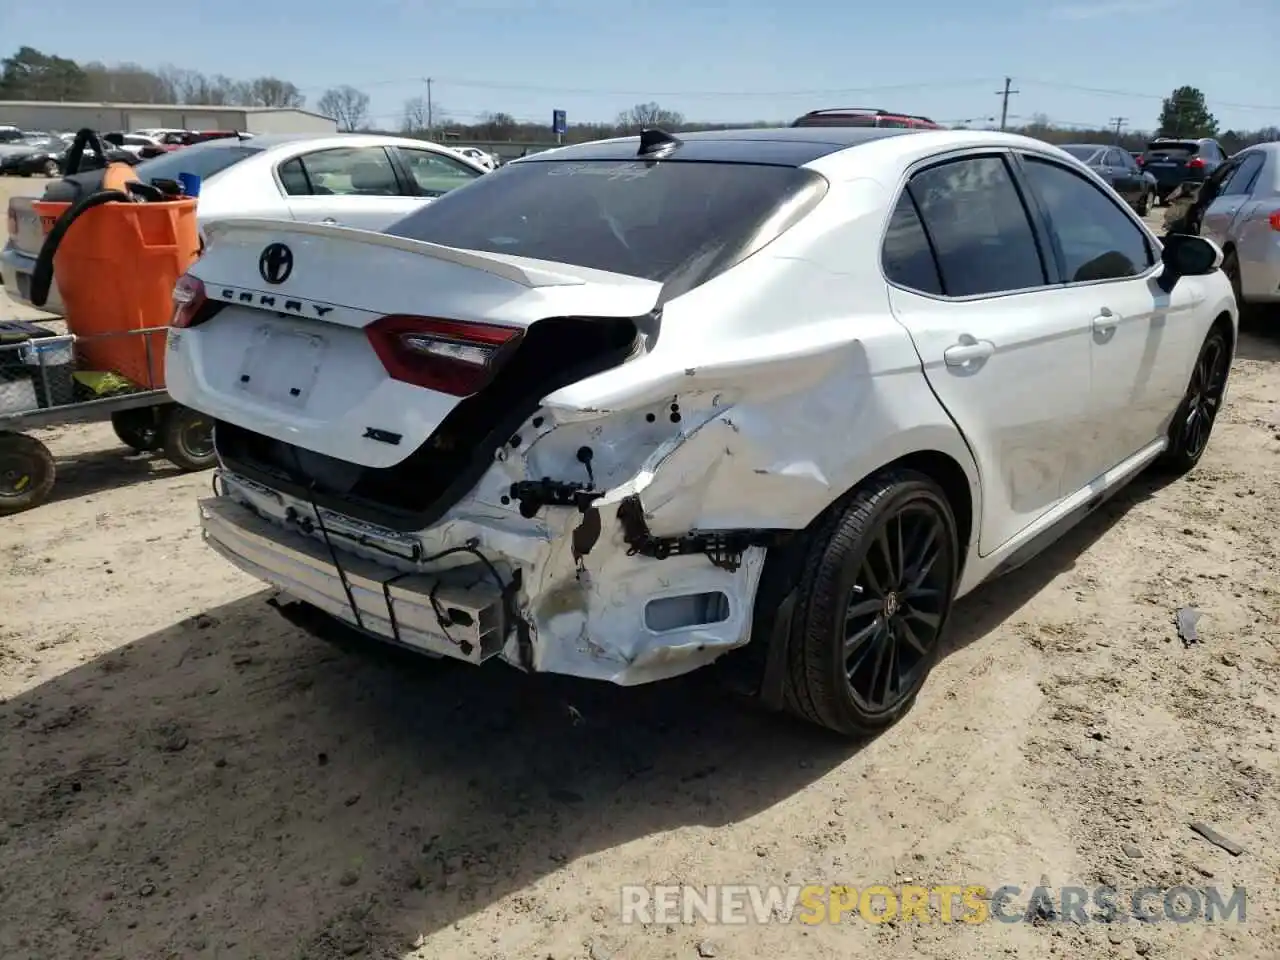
(793, 412)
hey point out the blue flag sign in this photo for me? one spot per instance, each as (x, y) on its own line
(559, 122)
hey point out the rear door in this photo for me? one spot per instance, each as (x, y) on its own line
(1142, 340)
(1005, 351)
(346, 186)
(1232, 197)
(1127, 178)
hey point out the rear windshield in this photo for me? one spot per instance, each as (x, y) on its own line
(651, 220)
(200, 161)
(1082, 153)
(1177, 149)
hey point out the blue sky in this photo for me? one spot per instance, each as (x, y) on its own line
(1077, 61)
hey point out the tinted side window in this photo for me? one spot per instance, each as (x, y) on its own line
(906, 257)
(293, 176)
(1242, 180)
(979, 227)
(1098, 241)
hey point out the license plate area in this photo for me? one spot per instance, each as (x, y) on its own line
(281, 365)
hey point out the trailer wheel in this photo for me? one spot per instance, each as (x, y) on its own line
(188, 439)
(138, 428)
(27, 473)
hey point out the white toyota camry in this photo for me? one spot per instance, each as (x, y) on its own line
(620, 409)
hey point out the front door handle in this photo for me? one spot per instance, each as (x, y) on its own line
(965, 353)
(1105, 321)
(330, 220)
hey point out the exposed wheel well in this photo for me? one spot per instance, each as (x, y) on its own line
(950, 476)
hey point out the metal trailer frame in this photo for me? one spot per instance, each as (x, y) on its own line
(83, 411)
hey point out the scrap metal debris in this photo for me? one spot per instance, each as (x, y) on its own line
(1186, 621)
(1217, 839)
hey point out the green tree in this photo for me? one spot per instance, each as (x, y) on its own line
(1184, 114)
(32, 75)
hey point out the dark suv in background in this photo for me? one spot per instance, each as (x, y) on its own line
(1174, 161)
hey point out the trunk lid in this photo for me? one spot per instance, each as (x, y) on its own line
(310, 362)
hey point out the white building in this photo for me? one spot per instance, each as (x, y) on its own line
(108, 117)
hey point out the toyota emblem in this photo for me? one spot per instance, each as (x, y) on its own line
(276, 263)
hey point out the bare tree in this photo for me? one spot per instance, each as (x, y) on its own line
(347, 105)
(417, 115)
(498, 126)
(272, 92)
(649, 115)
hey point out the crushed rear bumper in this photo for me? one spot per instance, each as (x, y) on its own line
(517, 595)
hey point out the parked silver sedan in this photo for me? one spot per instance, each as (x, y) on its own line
(1239, 209)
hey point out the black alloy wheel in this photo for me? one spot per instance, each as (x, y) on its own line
(872, 604)
(1193, 422)
(896, 607)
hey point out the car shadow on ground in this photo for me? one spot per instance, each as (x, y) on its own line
(230, 784)
(1260, 334)
(98, 471)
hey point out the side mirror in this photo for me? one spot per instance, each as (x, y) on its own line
(1186, 255)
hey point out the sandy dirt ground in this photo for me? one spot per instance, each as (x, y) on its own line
(183, 774)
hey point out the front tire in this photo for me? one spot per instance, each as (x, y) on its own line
(874, 598)
(1194, 419)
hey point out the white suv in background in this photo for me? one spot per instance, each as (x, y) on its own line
(622, 408)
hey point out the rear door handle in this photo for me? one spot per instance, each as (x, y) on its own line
(964, 353)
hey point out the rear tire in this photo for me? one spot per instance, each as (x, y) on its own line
(27, 473)
(188, 439)
(51, 169)
(138, 428)
(1144, 204)
(1193, 421)
(874, 597)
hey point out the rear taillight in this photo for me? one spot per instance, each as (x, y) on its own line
(1195, 163)
(449, 356)
(1139, 160)
(1274, 219)
(188, 298)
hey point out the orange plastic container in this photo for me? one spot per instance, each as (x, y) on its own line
(116, 269)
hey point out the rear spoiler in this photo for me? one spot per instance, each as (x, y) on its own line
(491, 263)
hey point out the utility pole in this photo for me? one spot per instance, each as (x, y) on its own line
(431, 134)
(1004, 96)
(1119, 122)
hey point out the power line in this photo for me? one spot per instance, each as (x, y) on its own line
(690, 94)
(1104, 92)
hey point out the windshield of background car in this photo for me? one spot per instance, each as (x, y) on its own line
(199, 161)
(645, 219)
(51, 145)
(1084, 154)
(1176, 149)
